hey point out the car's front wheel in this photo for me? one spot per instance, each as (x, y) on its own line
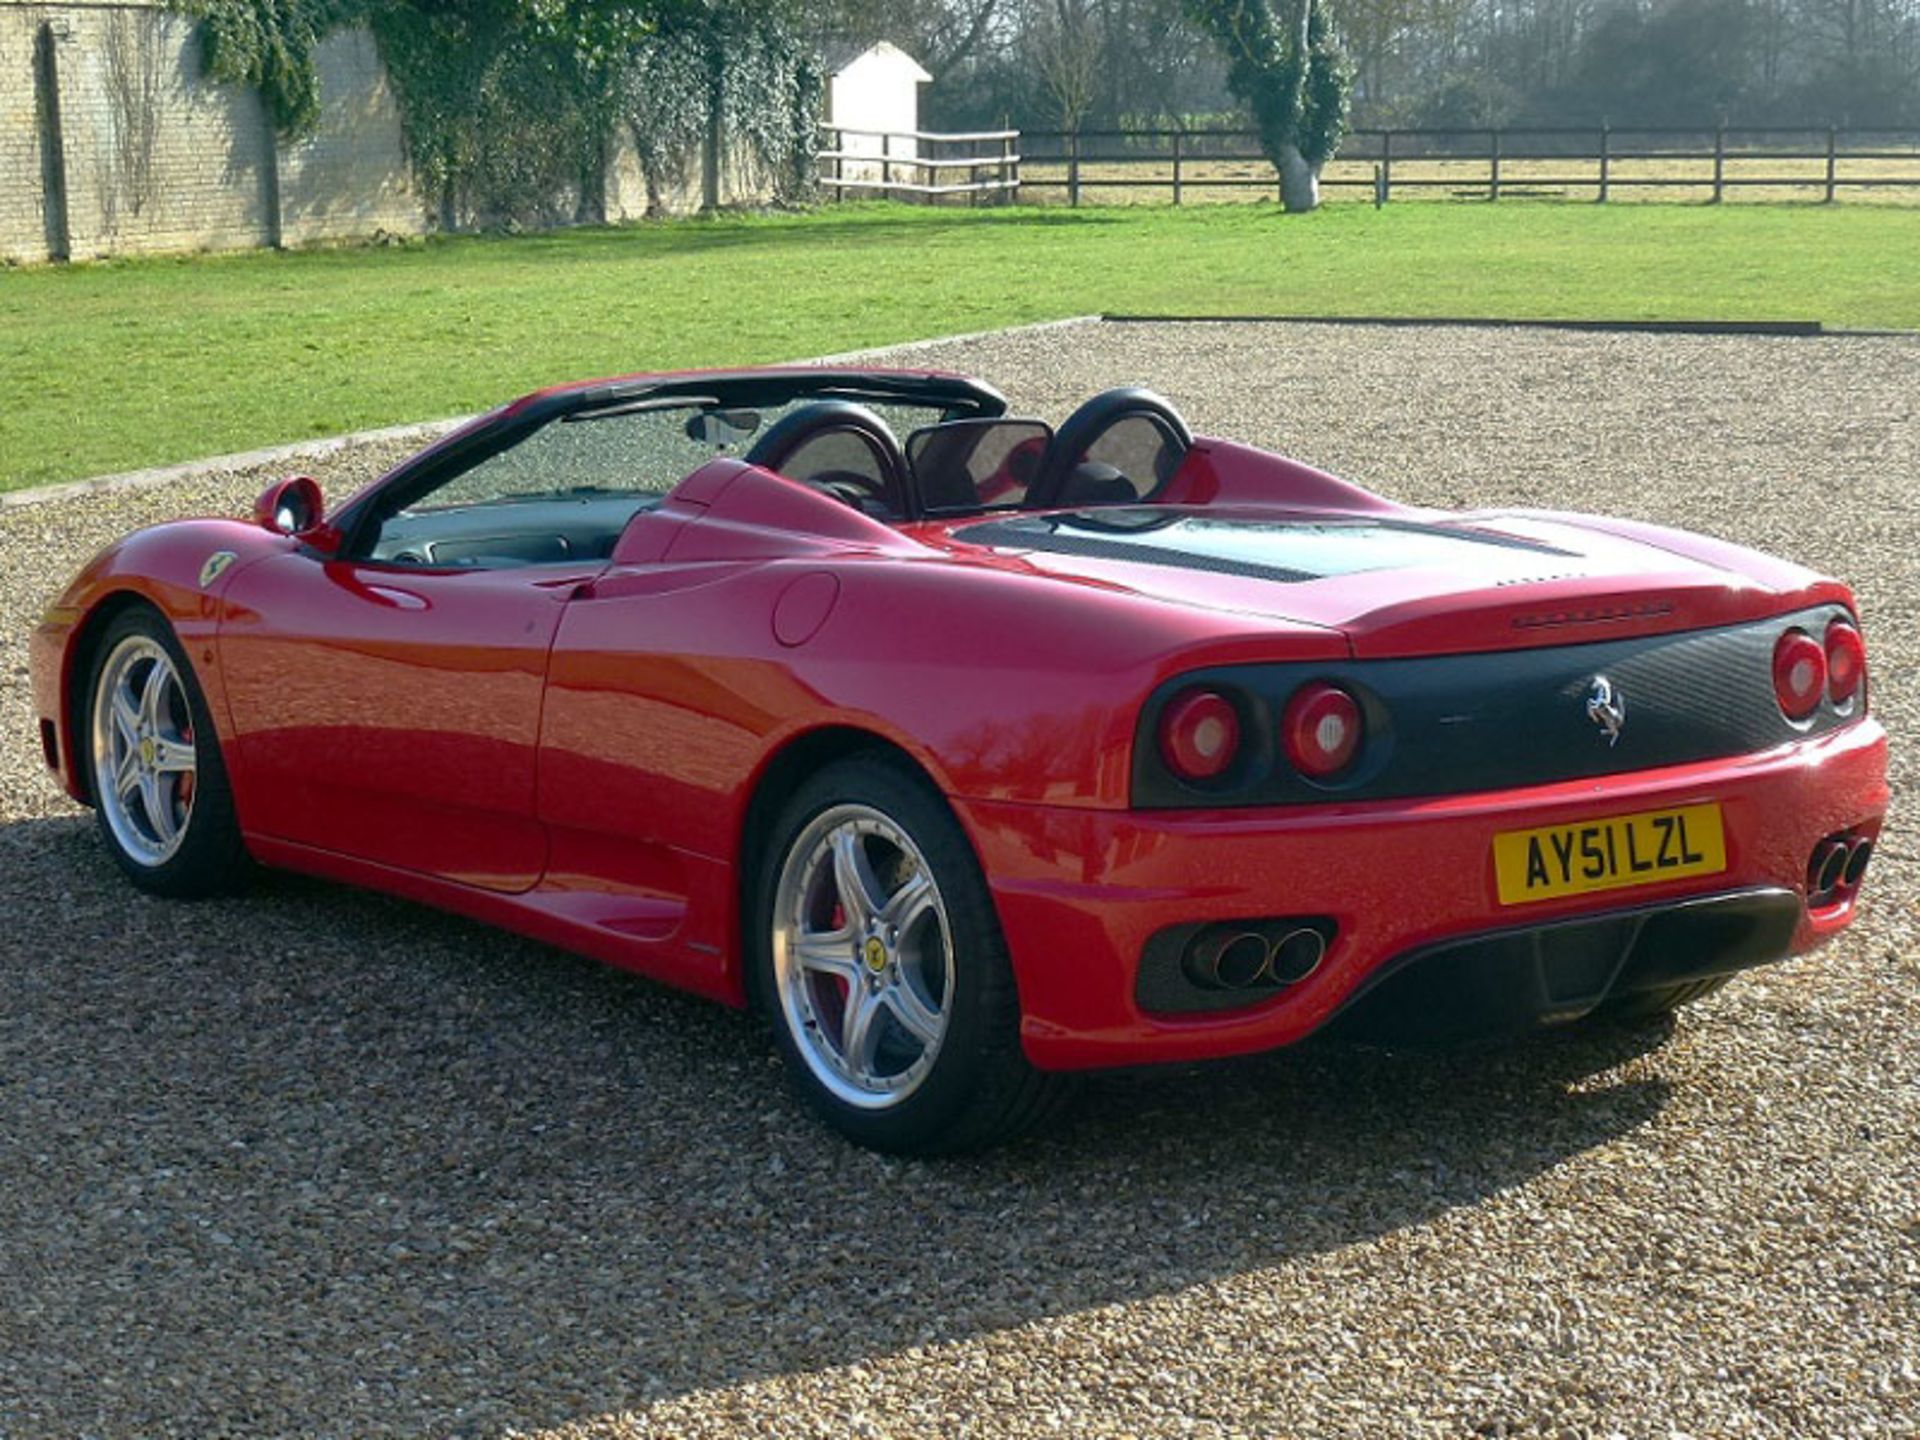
(159, 785)
(881, 962)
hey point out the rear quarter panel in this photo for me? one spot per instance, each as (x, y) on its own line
(671, 689)
(674, 687)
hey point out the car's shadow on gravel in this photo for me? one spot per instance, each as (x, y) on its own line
(315, 1162)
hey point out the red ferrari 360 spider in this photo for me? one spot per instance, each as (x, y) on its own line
(991, 754)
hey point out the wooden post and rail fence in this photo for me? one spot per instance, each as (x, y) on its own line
(924, 165)
(1598, 162)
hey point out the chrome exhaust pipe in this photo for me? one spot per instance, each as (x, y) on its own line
(1828, 866)
(1857, 859)
(1297, 954)
(1243, 960)
(1227, 959)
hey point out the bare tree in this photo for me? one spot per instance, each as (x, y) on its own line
(1065, 43)
(941, 34)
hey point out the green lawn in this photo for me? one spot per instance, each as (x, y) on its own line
(115, 366)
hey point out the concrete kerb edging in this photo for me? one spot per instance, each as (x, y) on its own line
(423, 431)
(230, 464)
(1787, 329)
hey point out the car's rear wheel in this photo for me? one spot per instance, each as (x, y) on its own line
(159, 786)
(880, 961)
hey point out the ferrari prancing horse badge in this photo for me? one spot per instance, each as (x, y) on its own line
(216, 566)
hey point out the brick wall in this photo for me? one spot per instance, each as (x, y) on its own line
(350, 179)
(156, 156)
(743, 181)
(22, 224)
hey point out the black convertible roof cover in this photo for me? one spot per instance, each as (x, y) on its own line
(776, 385)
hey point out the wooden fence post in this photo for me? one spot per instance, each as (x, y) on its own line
(1493, 167)
(1833, 157)
(1073, 168)
(1176, 167)
(1386, 166)
(1719, 163)
(1606, 156)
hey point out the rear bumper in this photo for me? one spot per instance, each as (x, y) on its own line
(1081, 892)
(1510, 981)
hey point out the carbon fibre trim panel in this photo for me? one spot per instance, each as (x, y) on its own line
(1504, 982)
(1457, 724)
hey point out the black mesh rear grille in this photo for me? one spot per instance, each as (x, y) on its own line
(1460, 723)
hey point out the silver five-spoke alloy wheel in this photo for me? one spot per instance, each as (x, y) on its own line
(144, 760)
(862, 956)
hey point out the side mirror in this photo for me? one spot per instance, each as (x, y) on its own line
(290, 507)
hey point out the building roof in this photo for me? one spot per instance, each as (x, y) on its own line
(842, 55)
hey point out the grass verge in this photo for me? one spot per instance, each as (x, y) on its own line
(115, 366)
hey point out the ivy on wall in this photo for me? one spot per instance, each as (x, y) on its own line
(269, 45)
(513, 108)
(744, 67)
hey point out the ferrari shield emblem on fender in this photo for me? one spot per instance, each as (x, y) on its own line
(1607, 708)
(216, 566)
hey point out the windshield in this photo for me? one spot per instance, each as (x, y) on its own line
(644, 449)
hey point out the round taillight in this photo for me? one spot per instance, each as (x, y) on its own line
(1322, 729)
(1799, 673)
(1846, 661)
(1199, 735)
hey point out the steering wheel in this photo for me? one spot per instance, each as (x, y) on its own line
(850, 487)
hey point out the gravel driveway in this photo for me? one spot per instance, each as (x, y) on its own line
(319, 1163)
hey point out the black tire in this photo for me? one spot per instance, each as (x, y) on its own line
(210, 857)
(1650, 1004)
(980, 1089)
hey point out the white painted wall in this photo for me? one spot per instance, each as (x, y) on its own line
(879, 90)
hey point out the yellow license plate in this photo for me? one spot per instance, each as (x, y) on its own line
(1609, 854)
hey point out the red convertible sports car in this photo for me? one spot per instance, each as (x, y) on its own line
(991, 753)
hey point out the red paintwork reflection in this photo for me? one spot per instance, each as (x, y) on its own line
(393, 715)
